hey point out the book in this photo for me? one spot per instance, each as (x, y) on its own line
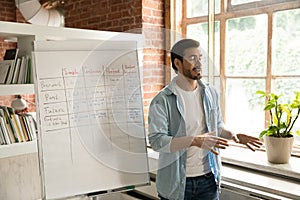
(28, 78)
(9, 124)
(15, 125)
(19, 127)
(11, 54)
(30, 124)
(16, 71)
(5, 65)
(2, 140)
(11, 72)
(22, 72)
(23, 126)
(4, 129)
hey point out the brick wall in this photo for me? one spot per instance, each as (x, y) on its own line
(6, 101)
(154, 52)
(8, 10)
(116, 15)
(5, 45)
(7, 13)
(110, 15)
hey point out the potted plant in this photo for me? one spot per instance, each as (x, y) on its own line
(278, 137)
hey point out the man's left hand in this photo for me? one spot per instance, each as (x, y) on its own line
(249, 141)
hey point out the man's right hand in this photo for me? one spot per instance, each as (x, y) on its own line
(208, 141)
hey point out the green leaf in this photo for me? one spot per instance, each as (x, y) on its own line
(275, 120)
(295, 104)
(270, 133)
(297, 95)
(261, 93)
(269, 105)
(285, 108)
(261, 135)
(283, 116)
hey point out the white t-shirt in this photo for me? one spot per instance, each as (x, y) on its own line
(197, 162)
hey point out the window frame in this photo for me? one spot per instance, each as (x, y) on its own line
(229, 11)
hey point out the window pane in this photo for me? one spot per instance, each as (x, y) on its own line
(246, 46)
(286, 40)
(196, 8)
(199, 32)
(244, 109)
(287, 87)
(237, 2)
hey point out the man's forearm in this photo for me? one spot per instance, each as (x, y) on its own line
(180, 143)
(224, 133)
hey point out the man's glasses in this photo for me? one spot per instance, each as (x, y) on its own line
(193, 59)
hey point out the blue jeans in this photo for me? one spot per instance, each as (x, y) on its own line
(200, 187)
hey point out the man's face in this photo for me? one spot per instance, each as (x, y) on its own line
(191, 66)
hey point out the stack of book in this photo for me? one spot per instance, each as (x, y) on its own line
(16, 128)
(15, 69)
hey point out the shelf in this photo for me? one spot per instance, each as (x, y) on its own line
(18, 149)
(15, 89)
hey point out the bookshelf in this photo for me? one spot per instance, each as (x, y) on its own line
(15, 32)
(19, 161)
(15, 89)
(16, 149)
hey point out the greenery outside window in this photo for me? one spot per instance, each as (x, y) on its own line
(199, 32)
(245, 73)
(286, 41)
(199, 8)
(256, 48)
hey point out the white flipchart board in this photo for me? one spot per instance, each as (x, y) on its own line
(90, 117)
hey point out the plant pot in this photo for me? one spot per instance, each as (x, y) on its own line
(278, 149)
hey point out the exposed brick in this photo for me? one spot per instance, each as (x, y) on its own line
(6, 101)
(149, 95)
(7, 11)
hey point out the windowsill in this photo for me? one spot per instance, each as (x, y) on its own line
(258, 161)
(255, 182)
(253, 173)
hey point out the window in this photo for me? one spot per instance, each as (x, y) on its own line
(256, 46)
(285, 54)
(199, 8)
(286, 40)
(199, 32)
(245, 72)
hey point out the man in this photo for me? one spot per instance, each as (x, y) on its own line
(186, 128)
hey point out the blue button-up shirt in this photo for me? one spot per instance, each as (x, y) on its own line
(165, 122)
